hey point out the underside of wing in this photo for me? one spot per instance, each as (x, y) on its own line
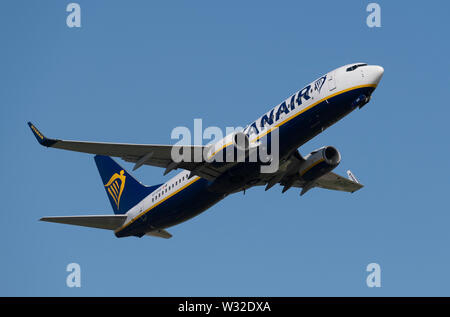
(110, 222)
(140, 154)
(288, 176)
(336, 182)
(330, 181)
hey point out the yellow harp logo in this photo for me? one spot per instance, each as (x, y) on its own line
(115, 187)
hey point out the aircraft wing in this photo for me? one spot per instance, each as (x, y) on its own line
(288, 177)
(334, 182)
(140, 154)
(330, 180)
(161, 156)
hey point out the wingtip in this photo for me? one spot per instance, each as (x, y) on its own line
(39, 136)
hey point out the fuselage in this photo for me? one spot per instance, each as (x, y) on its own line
(298, 119)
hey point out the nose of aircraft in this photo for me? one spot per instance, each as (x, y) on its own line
(375, 73)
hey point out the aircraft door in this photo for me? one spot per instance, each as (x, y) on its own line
(331, 79)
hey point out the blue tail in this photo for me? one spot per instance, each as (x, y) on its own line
(123, 190)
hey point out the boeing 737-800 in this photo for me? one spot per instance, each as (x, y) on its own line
(148, 210)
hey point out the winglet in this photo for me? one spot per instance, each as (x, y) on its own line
(352, 177)
(40, 137)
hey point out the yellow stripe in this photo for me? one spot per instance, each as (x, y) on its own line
(157, 204)
(226, 145)
(311, 106)
(116, 187)
(319, 161)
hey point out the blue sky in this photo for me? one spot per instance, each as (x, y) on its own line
(135, 70)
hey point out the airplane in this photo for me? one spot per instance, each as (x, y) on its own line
(149, 210)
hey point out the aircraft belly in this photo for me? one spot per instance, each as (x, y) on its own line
(183, 206)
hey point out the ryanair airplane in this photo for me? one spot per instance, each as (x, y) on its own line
(148, 210)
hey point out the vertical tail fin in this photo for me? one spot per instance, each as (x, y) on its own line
(123, 190)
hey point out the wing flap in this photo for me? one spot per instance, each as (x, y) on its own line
(336, 182)
(109, 222)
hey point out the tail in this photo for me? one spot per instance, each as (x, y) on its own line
(123, 190)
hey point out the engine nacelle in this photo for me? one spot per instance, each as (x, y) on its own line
(319, 162)
(241, 141)
(229, 148)
(234, 148)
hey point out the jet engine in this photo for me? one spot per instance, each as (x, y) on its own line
(241, 141)
(319, 162)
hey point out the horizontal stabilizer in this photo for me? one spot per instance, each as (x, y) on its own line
(110, 222)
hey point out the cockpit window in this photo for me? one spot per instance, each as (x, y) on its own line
(351, 68)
